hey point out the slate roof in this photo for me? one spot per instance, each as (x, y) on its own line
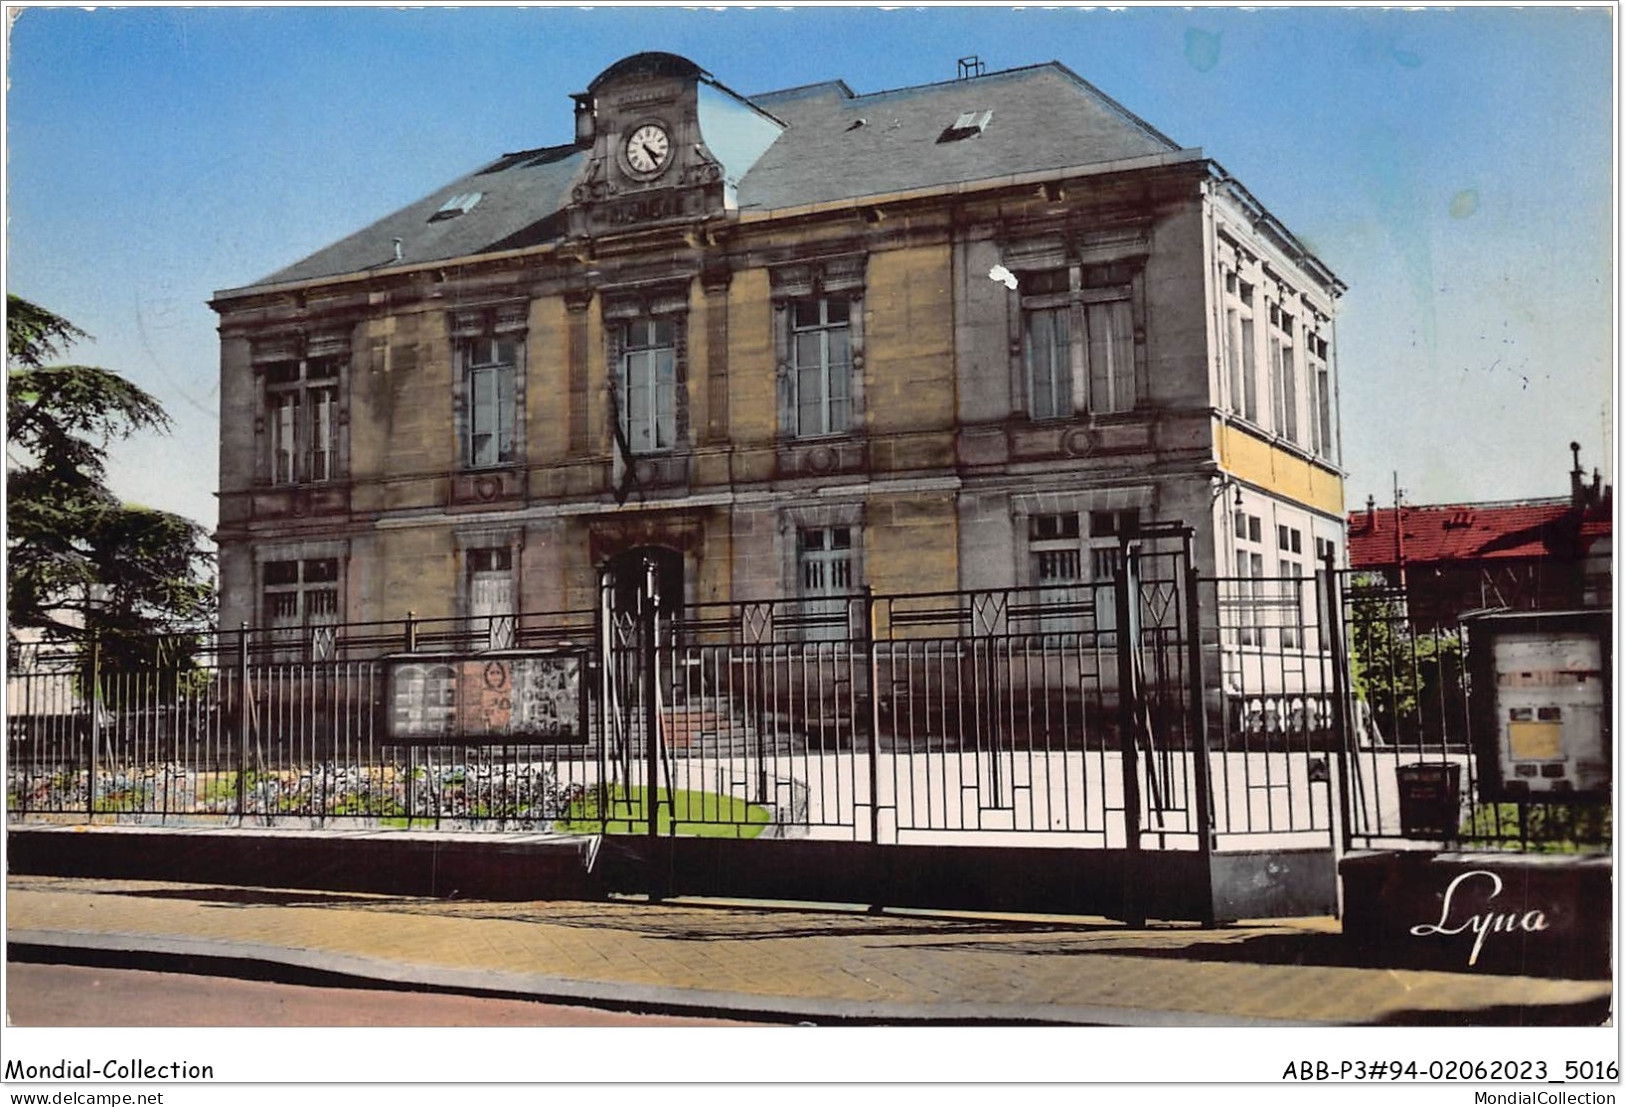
(519, 193)
(1044, 117)
(1465, 533)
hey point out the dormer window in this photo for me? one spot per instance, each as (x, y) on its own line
(460, 204)
(968, 124)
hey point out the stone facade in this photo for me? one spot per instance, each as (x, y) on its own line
(688, 331)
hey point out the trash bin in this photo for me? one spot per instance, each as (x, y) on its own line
(1430, 800)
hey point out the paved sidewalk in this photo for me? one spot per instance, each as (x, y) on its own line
(778, 961)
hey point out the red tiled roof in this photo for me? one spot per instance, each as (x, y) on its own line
(1473, 532)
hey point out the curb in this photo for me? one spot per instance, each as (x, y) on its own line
(304, 966)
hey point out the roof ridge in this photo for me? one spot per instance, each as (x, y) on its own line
(954, 81)
(964, 80)
(833, 82)
(1470, 505)
(537, 150)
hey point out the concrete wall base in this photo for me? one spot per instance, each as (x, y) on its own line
(1154, 884)
(496, 867)
(1169, 884)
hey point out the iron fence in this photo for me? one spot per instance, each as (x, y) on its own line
(1409, 744)
(1160, 710)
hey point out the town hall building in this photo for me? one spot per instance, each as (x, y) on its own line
(956, 336)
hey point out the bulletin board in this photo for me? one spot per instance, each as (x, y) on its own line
(487, 699)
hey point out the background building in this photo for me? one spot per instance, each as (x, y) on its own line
(1550, 554)
(955, 336)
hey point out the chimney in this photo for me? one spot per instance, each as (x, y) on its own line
(1577, 479)
(586, 119)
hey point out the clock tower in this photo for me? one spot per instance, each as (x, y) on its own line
(645, 122)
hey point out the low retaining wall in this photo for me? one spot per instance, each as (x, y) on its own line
(1530, 915)
(1163, 884)
(392, 862)
(1155, 884)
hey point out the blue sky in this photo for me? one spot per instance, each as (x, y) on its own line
(1453, 167)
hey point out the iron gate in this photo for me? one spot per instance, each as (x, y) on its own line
(1071, 717)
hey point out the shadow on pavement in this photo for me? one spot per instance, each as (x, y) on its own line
(1324, 950)
(1591, 1012)
(251, 897)
(700, 924)
(681, 922)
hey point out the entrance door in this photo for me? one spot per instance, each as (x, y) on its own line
(626, 572)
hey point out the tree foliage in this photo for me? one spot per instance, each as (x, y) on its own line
(34, 334)
(1410, 678)
(80, 562)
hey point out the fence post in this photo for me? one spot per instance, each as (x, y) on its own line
(27, 744)
(758, 697)
(95, 723)
(1198, 707)
(1347, 747)
(649, 666)
(605, 637)
(242, 723)
(1127, 587)
(874, 713)
(410, 635)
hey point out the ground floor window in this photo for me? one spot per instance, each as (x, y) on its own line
(824, 576)
(299, 593)
(492, 603)
(1075, 558)
(1246, 589)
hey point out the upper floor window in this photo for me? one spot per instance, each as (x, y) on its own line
(1321, 432)
(1110, 326)
(1241, 364)
(821, 365)
(1078, 341)
(1283, 374)
(818, 345)
(489, 385)
(646, 385)
(1049, 362)
(489, 372)
(301, 401)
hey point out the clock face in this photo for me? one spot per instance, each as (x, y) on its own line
(648, 149)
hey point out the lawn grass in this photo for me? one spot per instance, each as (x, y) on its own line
(698, 815)
(1552, 827)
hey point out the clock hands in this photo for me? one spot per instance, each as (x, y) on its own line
(647, 149)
